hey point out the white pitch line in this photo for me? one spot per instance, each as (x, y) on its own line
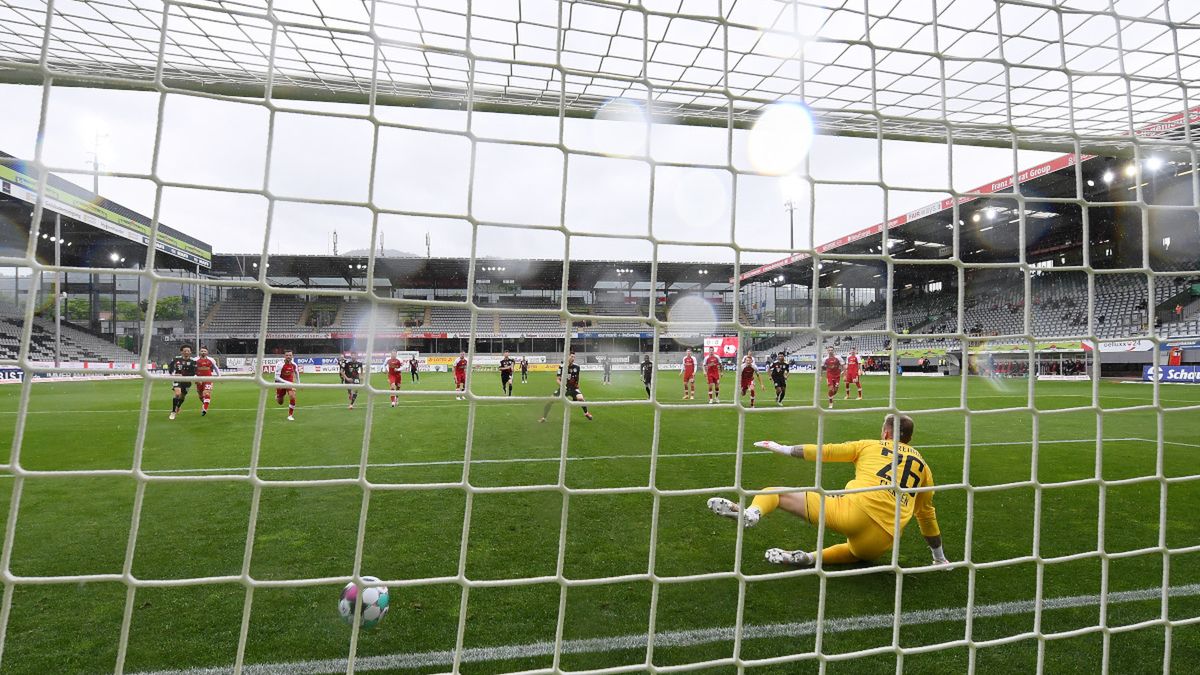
(532, 460)
(1166, 442)
(439, 402)
(685, 638)
(430, 403)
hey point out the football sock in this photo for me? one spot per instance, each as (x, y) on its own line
(838, 554)
(766, 503)
(175, 403)
(205, 404)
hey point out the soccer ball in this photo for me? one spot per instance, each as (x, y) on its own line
(374, 603)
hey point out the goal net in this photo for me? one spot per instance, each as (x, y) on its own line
(1001, 191)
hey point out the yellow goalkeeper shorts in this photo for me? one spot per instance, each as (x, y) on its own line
(866, 538)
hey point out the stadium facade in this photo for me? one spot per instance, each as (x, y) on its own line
(989, 247)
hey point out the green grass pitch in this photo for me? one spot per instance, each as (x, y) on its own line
(194, 526)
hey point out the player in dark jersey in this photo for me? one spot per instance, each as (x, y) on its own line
(352, 374)
(833, 373)
(288, 374)
(779, 376)
(524, 370)
(184, 366)
(506, 373)
(414, 376)
(572, 384)
(606, 364)
(647, 373)
(205, 367)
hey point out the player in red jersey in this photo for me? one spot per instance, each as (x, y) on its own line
(288, 373)
(394, 368)
(852, 373)
(689, 376)
(747, 377)
(205, 367)
(460, 376)
(712, 373)
(833, 373)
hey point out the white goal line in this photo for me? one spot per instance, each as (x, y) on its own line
(689, 638)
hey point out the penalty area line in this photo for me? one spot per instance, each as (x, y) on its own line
(686, 638)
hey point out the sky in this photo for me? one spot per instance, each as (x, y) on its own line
(221, 148)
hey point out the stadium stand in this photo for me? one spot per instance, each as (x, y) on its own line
(356, 316)
(240, 312)
(457, 320)
(77, 345)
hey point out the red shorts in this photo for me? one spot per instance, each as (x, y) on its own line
(203, 387)
(852, 376)
(747, 385)
(833, 379)
(280, 393)
(394, 379)
(460, 376)
(689, 375)
(714, 376)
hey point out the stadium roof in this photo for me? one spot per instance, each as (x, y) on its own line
(451, 273)
(928, 232)
(93, 221)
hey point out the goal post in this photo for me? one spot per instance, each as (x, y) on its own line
(663, 128)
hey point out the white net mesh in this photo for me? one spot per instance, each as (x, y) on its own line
(1085, 77)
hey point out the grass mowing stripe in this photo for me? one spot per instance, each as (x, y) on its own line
(686, 638)
(531, 460)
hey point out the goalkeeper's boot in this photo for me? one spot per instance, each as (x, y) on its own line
(727, 509)
(778, 556)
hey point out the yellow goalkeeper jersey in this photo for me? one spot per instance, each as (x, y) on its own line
(872, 468)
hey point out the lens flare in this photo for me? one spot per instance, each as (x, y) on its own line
(691, 319)
(780, 138)
(620, 127)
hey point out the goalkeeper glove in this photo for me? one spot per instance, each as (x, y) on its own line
(775, 447)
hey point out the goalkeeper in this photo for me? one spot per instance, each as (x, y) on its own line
(868, 518)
